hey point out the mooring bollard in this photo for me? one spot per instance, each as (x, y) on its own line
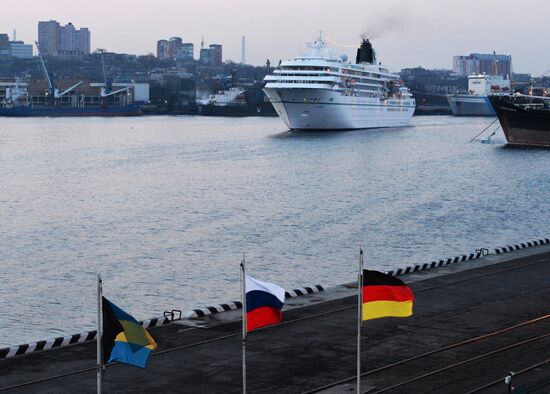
(508, 381)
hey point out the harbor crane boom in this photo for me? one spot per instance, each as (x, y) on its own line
(53, 89)
(50, 84)
(105, 94)
(59, 94)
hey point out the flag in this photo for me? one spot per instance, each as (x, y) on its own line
(264, 302)
(124, 339)
(385, 296)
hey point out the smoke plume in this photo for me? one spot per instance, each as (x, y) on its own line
(388, 19)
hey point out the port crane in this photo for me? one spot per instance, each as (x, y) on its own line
(107, 88)
(54, 91)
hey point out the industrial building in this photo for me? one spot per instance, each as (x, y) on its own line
(480, 63)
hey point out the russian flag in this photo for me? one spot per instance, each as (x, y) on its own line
(264, 302)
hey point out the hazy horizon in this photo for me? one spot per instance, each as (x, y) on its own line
(427, 33)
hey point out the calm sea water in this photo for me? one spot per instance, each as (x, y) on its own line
(164, 208)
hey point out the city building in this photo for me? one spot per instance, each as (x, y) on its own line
(57, 40)
(211, 56)
(49, 37)
(162, 49)
(480, 63)
(216, 54)
(14, 48)
(21, 50)
(83, 40)
(4, 45)
(187, 50)
(174, 49)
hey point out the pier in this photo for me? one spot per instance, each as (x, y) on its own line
(473, 323)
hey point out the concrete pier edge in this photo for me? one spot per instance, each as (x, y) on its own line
(169, 317)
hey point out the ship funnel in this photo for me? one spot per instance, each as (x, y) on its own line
(365, 53)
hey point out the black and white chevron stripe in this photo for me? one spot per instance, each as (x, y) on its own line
(435, 264)
(506, 249)
(69, 340)
(212, 310)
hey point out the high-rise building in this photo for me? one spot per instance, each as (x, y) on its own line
(211, 56)
(187, 50)
(49, 37)
(55, 39)
(216, 54)
(83, 40)
(67, 40)
(204, 56)
(481, 63)
(4, 45)
(162, 49)
(174, 48)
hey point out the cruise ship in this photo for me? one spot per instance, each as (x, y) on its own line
(476, 102)
(320, 91)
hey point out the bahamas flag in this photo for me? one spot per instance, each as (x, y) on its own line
(124, 339)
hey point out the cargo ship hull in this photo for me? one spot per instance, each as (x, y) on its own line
(22, 112)
(523, 124)
(470, 105)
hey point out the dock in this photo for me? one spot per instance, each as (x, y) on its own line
(473, 323)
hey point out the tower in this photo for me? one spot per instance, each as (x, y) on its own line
(243, 51)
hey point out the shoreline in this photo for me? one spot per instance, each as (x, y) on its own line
(313, 348)
(201, 312)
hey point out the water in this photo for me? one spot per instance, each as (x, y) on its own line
(164, 207)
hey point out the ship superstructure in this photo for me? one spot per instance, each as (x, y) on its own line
(231, 96)
(475, 102)
(320, 91)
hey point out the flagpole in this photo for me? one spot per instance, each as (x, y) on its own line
(243, 301)
(99, 335)
(359, 318)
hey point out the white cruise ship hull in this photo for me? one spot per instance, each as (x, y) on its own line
(326, 109)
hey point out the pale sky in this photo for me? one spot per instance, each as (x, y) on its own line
(406, 33)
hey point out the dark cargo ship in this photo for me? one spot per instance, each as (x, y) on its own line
(126, 110)
(525, 120)
(236, 102)
(52, 98)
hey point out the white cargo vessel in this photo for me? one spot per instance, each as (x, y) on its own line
(475, 102)
(320, 91)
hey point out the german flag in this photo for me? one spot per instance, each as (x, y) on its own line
(385, 296)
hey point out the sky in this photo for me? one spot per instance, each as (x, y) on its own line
(405, 33)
